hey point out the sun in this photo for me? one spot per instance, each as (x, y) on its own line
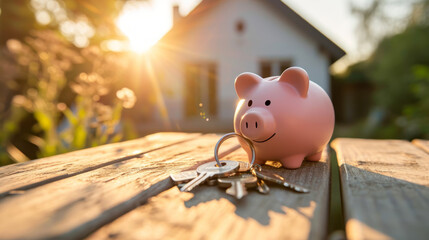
(144, 23)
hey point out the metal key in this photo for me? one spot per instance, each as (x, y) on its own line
(238, 183)
(262, 187)
(211, 182)
(184, 176)
(209, 170)
(275, 178)
(244, 166)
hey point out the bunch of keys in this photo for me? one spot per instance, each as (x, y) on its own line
(234, 175)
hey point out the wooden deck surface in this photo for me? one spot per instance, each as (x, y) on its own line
(123, 191)
(385, 188)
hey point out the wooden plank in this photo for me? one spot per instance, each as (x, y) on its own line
(209, 213)
(423, 144)
(384, 188)
(74, 207)
(34, 173)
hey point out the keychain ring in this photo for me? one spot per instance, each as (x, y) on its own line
(230, 135)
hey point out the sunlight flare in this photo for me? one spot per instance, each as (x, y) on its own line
(144, 23)
(162, 107)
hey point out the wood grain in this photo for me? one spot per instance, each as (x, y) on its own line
(74, 207)
(385, 188)
(423, 144)
(209, 213)
(22, 176)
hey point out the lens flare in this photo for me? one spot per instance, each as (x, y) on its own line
(144, 23)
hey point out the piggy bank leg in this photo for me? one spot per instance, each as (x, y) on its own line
(292, 162)
(314, 157)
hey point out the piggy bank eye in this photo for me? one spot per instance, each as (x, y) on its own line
(249, 103)
(267, 103)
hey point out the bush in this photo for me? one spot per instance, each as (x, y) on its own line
(60, 114)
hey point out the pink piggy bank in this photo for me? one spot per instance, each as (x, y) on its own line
(287, 118)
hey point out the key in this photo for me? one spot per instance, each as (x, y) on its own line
(238, 183)
(244, 166)
(184, 176)
(262, 187)
(211, 182)
(209, 170)
(275, 178)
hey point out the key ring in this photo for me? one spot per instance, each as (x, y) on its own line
(230, 135)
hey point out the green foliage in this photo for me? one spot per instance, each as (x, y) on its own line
(392, 67)
(355, 73)
(399, 70)
(55, 97)
(100, 14)
(45, 64)
(16, 19)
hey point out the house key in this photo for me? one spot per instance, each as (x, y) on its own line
(238, 183)
(275, 178)
(211, 169)
(182, 177)
(262, 187)
(244, 167)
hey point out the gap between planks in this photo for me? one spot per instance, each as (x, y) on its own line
(23, 176)
(385, 188)
(75, 207)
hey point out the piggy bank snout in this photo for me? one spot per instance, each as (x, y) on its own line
(257, 124)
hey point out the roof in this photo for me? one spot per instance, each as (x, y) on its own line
(333, 50)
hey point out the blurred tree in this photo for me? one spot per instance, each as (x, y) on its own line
(54, 97)
(16, 19)
(94, 19)
(399, 69)
(381, 18)
(43, 62)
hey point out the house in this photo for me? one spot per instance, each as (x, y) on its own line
(195, 64)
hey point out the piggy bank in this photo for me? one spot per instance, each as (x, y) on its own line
(287, 118)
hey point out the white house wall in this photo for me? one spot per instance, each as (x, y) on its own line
(267, 35)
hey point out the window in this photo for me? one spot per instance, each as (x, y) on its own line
(240, 26)
(266, 69)
(284, 65)
(200, 90)
(270, 68)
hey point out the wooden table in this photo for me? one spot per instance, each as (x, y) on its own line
(123, 191)
(385, 188)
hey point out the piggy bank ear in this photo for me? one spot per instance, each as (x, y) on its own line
(245, 82)
(298, 78)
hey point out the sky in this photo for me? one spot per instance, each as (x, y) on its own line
(332, 17)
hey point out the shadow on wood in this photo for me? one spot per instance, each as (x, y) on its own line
(385, 188)
(383, 207)
(255, 205)
(208, 212)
